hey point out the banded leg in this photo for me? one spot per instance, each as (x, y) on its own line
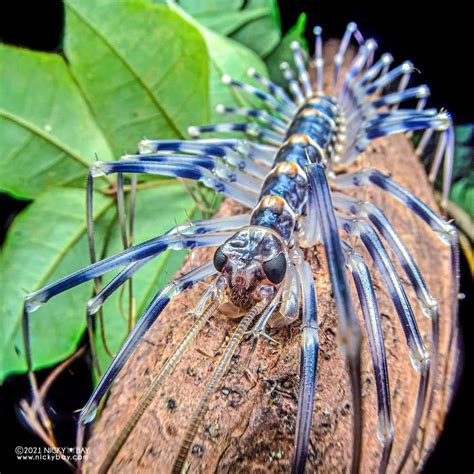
(318, 58)
(214, 147)
(136, 253)
(308, 367)
(230, 151)
(418, 354)
(216, 166)
(348, 330)
(179, 170)
(303, 75)
(154, 309)
(370, 311)
(293, 84)
(277, 91)
(251, 129)
(427, 302)
(339, 56)
(279, 107)
(198, 227)
(277, 125)
(445, 231)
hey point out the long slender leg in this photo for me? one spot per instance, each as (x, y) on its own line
(303, 75)
(293, 84)
(280, 107)
(179, 170)
(308, 367)
(418, 354)
(427, 302)
(202, 315)
(370, 311)
(138, 252)
(242, 155)
(154, 309)
(339, 56)
(268, 120)
(93, 259)
(252, 129)
(277, 91)
(318, 58)
(218, 167)
(125, 242)
(348, 330)
(445, 231)
(198, 227)
(213, 384)
(375, 70)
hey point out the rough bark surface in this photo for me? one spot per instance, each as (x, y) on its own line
(250, 425)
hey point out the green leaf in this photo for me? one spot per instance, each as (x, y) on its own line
(225, 57)
(133, 70)
(143, 69)
(48, 135)
(254, 23)
(283, 52)
(153, 218)
(45, 242)
(462, 192)
(263, 34)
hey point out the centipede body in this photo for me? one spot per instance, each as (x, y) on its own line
(299, 146)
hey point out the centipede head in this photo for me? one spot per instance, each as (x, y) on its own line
(253, 262)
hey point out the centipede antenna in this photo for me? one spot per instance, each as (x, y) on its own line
(213, 385)
(202, 316)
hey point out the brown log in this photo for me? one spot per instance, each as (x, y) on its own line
(250, 425)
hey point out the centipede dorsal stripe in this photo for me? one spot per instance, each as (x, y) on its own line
(292, 167)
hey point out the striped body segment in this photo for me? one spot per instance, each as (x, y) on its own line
(312, 137)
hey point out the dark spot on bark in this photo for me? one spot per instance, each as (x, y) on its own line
(197, 450)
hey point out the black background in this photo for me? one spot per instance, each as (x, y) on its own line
(433, 35)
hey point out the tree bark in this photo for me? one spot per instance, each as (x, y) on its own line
(250, 425)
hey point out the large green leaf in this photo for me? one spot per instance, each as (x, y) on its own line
(48, 134)
(225, 57)
(282, 52)
(133, 69)
(45, 242)
(152, 219)
(143, 69)
(254, 23)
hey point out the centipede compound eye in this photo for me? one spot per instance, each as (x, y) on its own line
(219, 260)
(275, 269)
